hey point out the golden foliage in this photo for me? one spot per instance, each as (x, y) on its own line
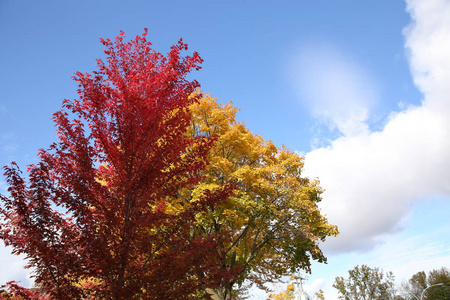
(285, 295)
(273, 217)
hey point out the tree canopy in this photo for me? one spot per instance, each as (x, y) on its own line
(272, 219)
(155, 191)
(365, 283)
(436, 283)
(93, 219)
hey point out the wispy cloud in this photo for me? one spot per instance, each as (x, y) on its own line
(315, 286)
(372, 179)
(337, 90)
(7, 143)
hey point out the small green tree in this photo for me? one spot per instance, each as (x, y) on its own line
(420, 281)
(413, 288)
(439, 292)
(365, 283)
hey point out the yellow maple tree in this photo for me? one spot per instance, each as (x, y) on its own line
(272, 220)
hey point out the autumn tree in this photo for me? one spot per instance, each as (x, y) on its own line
(93, 217)
(414, 287)
(365, 283)
(272, 219)
(436, 284)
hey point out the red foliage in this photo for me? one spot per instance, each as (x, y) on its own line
(93, 219)
(15, 292)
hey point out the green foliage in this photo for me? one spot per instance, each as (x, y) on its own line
(430, 283)
(365, 283)
(439, 292)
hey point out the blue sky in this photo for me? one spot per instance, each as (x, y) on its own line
(358, 87)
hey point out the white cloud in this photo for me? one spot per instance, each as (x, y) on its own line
(13, 267)
(372, 179)
(428, 40)
(337, 90)
(315, 286)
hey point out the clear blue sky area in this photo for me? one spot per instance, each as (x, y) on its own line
(247, 47)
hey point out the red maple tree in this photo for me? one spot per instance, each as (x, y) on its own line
(93, 217)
